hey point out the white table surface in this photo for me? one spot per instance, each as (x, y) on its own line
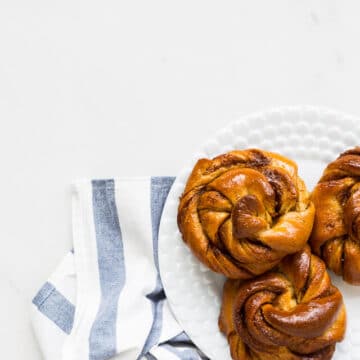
(112, 88)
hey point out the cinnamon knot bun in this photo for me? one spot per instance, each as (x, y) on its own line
(243, 211)
(336, 233)
(290, 313)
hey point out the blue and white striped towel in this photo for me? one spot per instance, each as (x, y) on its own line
(106, 300)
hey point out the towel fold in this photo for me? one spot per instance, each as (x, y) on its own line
(106, 300)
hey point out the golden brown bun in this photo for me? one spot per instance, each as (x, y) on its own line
(336, 232)
(291, 313)
(243, 211)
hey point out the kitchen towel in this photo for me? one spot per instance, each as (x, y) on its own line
(105, 300)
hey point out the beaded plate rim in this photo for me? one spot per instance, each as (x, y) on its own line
(304, 133)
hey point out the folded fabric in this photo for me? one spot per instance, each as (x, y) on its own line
(105, 300)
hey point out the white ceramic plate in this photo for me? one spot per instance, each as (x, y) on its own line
(312, 137)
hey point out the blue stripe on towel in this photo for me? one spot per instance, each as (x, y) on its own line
(102, 339)
(189, 353)
(182, 346)
(160, 187)
(180, 338)
(55, 307)
(149, 356)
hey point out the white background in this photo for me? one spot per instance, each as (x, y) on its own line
(121, 88)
